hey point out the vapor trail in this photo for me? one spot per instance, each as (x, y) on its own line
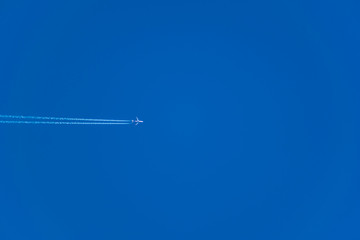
(64, 123)
(64, 119)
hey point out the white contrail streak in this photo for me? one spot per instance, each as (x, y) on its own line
(64, 119)
(64, 123)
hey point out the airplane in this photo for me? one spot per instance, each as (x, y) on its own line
(137, 121)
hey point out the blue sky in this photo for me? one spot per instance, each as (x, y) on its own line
(250, 109)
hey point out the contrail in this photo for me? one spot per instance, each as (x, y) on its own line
(65, 123)
(64, 119)
(13, 119)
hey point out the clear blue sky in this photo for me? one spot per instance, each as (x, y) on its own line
(251, 116)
